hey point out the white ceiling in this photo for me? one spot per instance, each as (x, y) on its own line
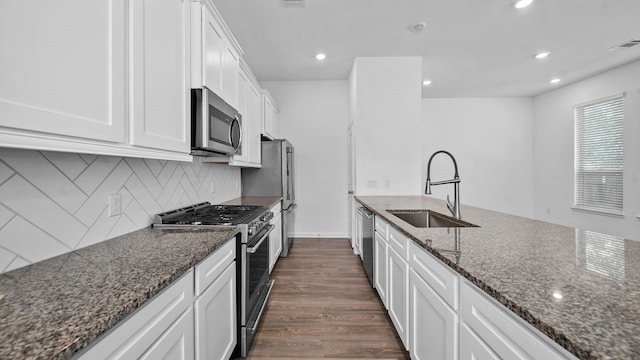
(470, 48)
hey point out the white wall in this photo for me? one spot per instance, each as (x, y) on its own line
(554, 147)
(386, 113)
(52, 203)
(313, 116)
(491, 139)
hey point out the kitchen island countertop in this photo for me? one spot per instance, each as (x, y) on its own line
(580, 288)
(53, 308)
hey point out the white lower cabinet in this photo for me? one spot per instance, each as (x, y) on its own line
(176, 343)
(398, 294)
(472, 348)
(380, 267)
(137, 334)
(215, 318)
(275, 238)
(439, 315)
(172, 325)
(433, 327)
(507, 336)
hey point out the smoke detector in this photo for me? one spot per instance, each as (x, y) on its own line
(293, 3)
(418, 26)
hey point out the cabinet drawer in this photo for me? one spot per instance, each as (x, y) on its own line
(506, 335)
(399, 242)
(443, 280)
(276, 209)
(210, 268)
(137, 332)
(381, 227)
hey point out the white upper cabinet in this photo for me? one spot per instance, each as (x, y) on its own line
(269, 116)
(215, 53)
(254, 113)
(104, 78)
(160, 83)
(62, 71)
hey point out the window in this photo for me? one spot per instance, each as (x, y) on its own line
(599, 155)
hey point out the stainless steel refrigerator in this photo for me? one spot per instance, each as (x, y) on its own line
(274, 178)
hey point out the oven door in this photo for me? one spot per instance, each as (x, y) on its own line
(257, 271)
(256, 287)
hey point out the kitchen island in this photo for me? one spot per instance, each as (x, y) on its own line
(56, 307)
(579, 288)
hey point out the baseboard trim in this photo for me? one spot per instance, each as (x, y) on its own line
(320, 235)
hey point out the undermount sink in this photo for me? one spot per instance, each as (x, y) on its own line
(429, 219)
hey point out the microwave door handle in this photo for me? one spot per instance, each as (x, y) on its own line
(254, 248)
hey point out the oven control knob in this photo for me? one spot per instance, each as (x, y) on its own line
(252, 230)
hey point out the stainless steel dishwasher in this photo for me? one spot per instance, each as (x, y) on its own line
(366, 232)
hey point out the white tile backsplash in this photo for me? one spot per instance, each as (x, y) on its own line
(52, 203)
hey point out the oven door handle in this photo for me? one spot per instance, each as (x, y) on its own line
(254, 248)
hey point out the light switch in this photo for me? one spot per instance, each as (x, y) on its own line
(115, 204)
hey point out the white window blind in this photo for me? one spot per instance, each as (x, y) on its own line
(599, 155)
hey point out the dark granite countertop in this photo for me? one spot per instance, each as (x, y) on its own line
(580, 288)
(52, 309)
(260, 201)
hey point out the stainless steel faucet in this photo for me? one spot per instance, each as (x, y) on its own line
(455, 207)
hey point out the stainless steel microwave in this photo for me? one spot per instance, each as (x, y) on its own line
(216, 127)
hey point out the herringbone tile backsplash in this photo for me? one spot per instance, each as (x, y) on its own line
(52, 203)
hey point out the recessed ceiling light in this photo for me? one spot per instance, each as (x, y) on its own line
(426, 82)
(418, 26)
(555, 81)
(519, 4)
(320, 56)
(542, 55)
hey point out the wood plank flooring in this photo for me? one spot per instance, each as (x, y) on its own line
(322, 307)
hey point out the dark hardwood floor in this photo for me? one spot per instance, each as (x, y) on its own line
(323, 307)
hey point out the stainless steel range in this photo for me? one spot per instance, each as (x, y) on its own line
(254, 285)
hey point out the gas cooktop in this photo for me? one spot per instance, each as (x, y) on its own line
(207, 214)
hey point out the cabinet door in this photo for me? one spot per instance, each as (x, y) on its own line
(398, 294)
(380, 268)
(214, 47)
(215, 318)
(472, 348)
(160, 83)
(268, 118)
(243, 83)
(433, 324)
(253, 125)
(177, 343)
(275, 241)
(507, 335)
(135, 335)
(62, 71)
(230, 70)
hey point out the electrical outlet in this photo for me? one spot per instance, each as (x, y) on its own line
(372, 183)
(387, 183)
(115, 204)
(212, 187)
(548, 211)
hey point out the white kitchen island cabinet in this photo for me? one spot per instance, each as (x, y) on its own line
(112, 80)
(433, 320)
(398, 294)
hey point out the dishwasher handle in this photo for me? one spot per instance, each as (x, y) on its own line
(365, 212)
